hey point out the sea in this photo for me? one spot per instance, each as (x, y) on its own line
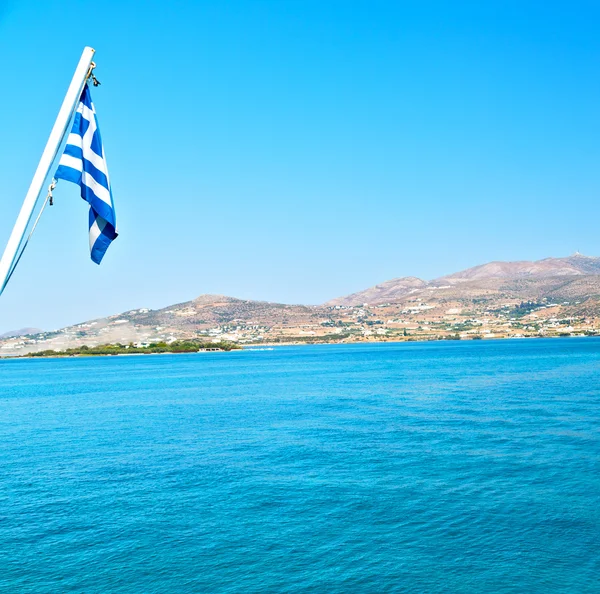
(466, 466)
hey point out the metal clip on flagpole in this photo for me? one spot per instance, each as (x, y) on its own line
(11, 256)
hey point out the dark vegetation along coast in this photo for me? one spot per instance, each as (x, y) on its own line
(179, 346)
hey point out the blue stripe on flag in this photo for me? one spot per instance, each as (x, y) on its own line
(86, 98)
(68, 173)
(80, 124)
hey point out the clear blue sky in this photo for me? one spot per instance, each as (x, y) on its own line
(295, 151)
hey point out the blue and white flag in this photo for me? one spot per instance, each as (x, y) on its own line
(83, 163)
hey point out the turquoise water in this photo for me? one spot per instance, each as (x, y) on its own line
(419, 467)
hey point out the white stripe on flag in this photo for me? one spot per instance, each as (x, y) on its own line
(95, 231)
(75, 140)
(74, 162)
(99, 190)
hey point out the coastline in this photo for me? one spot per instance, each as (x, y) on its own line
(272, 345)
(415, 340)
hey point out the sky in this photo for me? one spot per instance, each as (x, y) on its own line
(299, 150)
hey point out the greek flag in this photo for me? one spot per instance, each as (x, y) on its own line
(83, 163)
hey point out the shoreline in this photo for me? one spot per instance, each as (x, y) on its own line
(413, 340)
(271, 345)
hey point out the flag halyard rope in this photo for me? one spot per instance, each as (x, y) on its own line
(48, 202)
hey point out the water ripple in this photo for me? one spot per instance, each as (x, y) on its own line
(441, 467)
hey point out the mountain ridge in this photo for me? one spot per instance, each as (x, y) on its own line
(20, 332)
(549, 297)
(395, 289)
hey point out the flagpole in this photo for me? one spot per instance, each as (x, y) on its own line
(43, 169)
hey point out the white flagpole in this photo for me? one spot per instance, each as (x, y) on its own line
(43, 168)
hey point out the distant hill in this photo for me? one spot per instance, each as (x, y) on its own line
(208, 317)
(547, 277)
(575, 265)
(391, 290)
(21, 332)
(550, 297)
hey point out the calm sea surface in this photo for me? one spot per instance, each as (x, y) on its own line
(440, 467)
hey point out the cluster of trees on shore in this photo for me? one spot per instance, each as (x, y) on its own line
(178, 346)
